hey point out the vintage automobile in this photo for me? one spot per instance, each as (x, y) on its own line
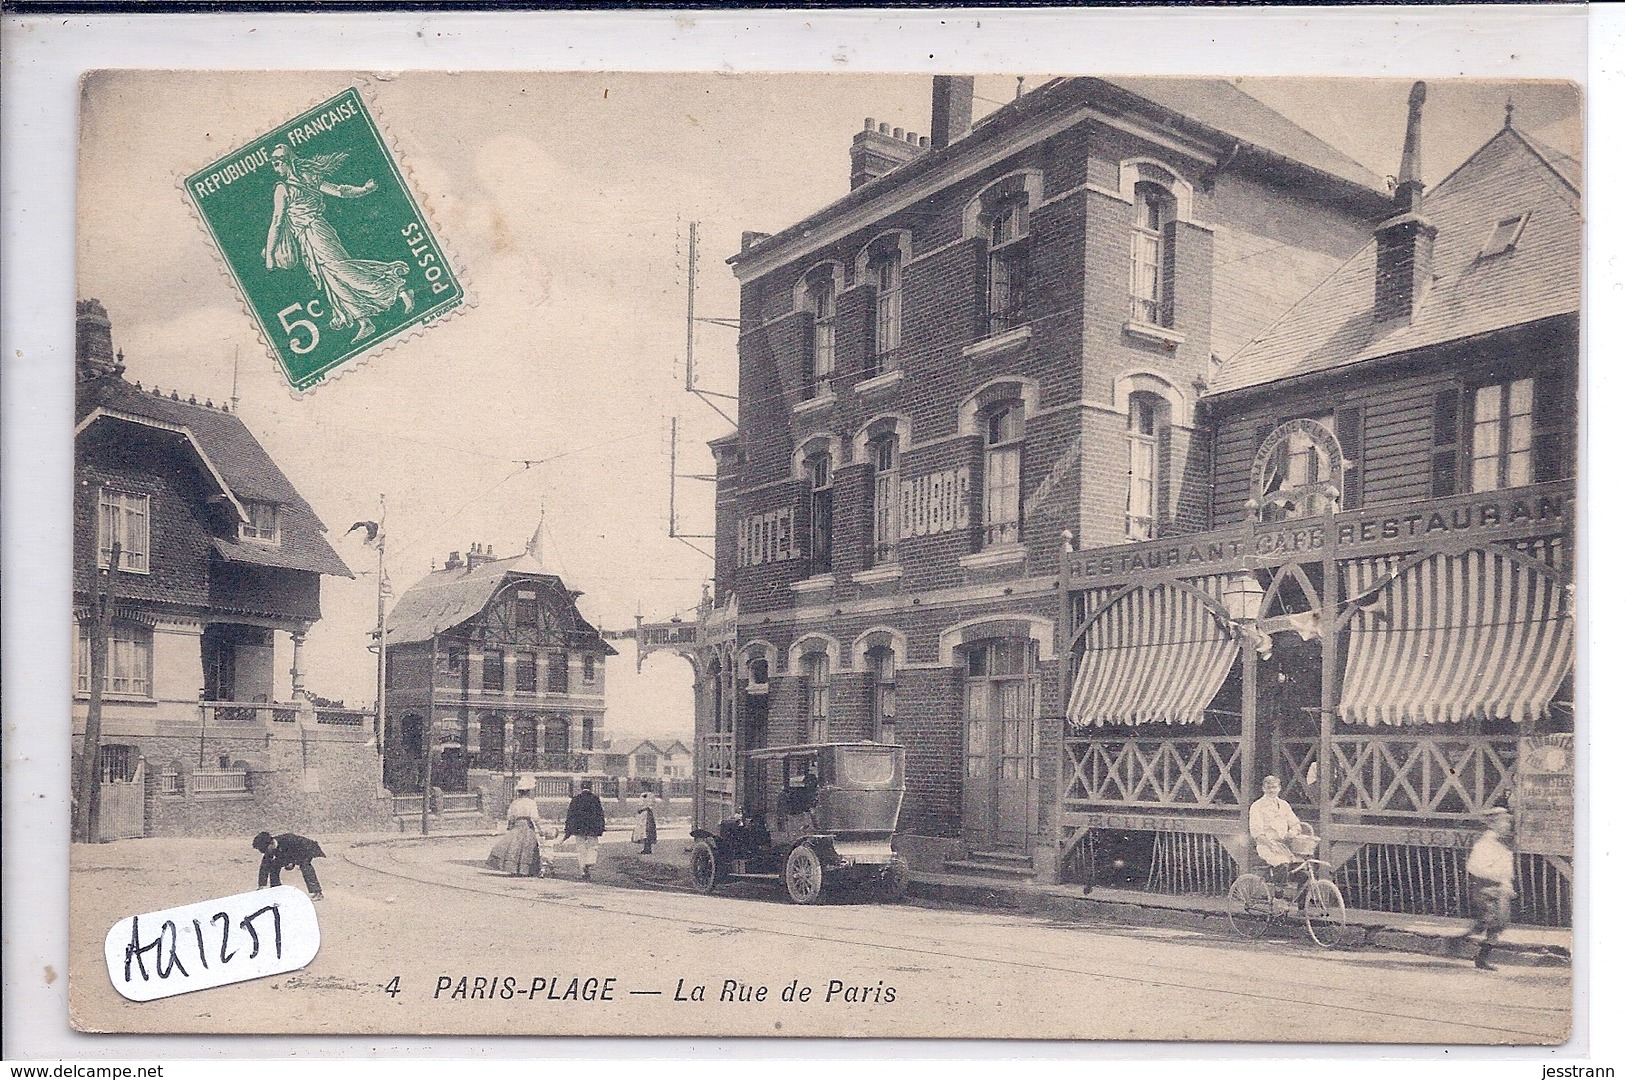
(816, 817)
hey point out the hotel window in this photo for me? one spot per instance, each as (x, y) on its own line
(821, 477)
(129, 661)
(815, 667)
(1152, 255)
(589, 667)
(524, 673)
(526, 608)
(883, 454)
(124, 517)
(1502, 454)
(558, 673)
(262, 524)
(1147, 426)
(888, 278)
(491, 678)
(589, 729)
(821, 302)
(883, 703)
(1003, 427)
(1005, 225)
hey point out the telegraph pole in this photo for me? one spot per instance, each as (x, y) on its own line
(383, 646)
(88, 789)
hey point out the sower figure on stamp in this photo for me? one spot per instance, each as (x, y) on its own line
(1489, 876)
(584, 820)
(354, 288)
(284, 852)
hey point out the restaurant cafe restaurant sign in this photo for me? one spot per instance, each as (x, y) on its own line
(1487, 517)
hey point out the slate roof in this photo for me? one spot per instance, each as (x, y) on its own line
(1470, 295)
(1212, 110)
(448, 598)
(241, 462)
(1227, 109)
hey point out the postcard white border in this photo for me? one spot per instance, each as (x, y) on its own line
(43, 56)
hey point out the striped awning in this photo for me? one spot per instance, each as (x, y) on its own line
(1157, 654)
(1479, 634)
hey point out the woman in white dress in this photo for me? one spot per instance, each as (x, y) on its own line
(519, 851)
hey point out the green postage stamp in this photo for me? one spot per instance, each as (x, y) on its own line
(323, 236)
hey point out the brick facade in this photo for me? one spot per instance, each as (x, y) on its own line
(1072, 362)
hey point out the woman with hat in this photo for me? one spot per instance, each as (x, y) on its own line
(644, 830)
(1489, 876)
(519, 851)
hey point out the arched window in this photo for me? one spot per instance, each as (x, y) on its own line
(1003, 426)
(1004, 227)
(886, 271)
(815, 669)
(1147, 427)
(1152, 269)
(820, 473)
(1298, 470)
(883, 455)
(882, 663)
(818, 298)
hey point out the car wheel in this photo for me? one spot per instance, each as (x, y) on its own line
(702, 866)
(803, 875)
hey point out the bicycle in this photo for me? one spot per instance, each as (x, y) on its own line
(1255, 905)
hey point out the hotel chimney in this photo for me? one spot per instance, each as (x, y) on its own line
(1405, 241)
(950, 108)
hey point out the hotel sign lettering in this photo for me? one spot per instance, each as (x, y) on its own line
(767, 538)
(938, 502)
(1348, 533)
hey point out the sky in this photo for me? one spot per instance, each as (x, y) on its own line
(566, 199)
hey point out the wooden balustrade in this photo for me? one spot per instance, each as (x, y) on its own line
(1183, 773)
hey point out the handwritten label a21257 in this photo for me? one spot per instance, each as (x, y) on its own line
(212, 943)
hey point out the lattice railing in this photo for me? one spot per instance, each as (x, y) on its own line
(1188, 773)
(219, 781)
(1296, 755)
(1410, 776)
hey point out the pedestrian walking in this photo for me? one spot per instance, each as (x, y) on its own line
(584, 821)
(519, 851)
(644, 830)
(284, 852)
(1489, 877)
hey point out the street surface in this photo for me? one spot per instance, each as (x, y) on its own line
(431, 914)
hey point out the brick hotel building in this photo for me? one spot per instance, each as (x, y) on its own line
(1132, 443)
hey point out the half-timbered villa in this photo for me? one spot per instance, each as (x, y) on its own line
(491, 670)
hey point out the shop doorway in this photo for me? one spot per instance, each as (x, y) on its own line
(1001, 693)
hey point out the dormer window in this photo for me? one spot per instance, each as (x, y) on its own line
(263, 524)
(1504, 237)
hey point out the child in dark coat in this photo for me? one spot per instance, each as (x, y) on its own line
(284, 852)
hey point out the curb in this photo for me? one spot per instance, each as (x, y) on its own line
(630, 871)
